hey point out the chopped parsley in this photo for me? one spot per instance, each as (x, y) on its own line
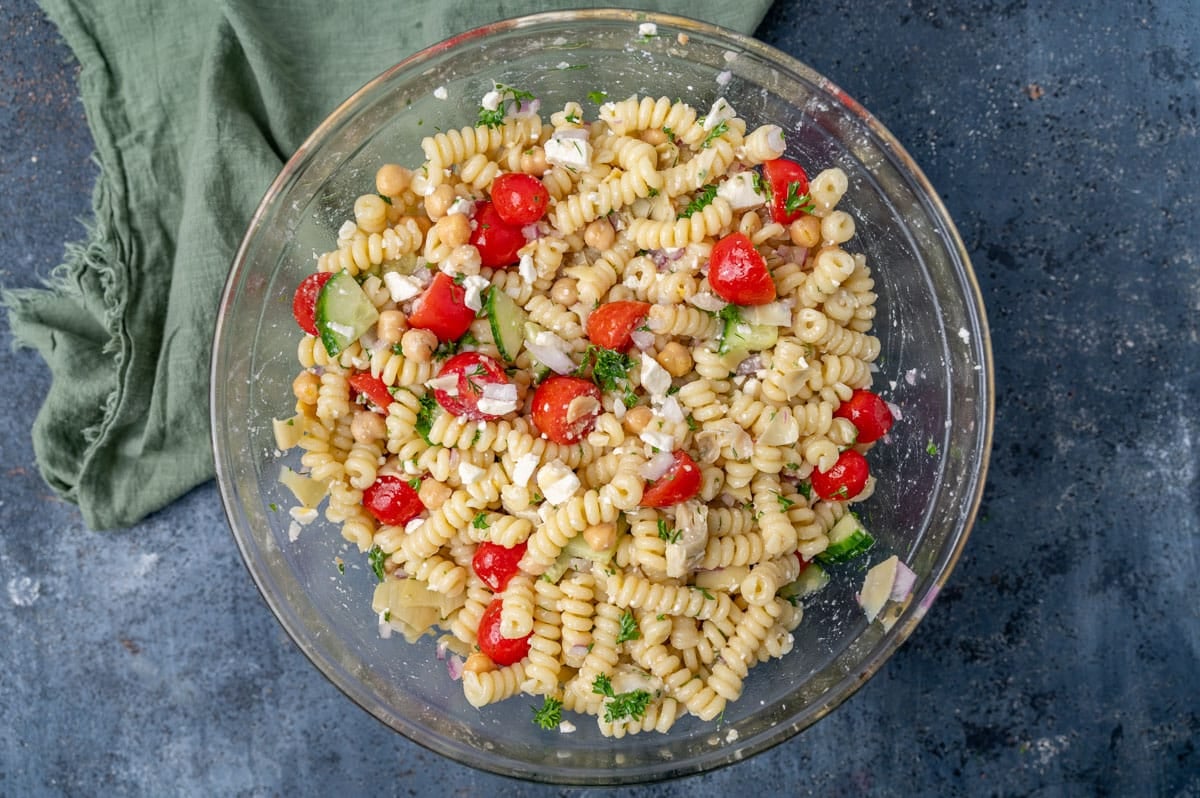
(805, 489)
(549, 714)
(716, 133)
(629, 628)
(424, 425)
(376, 557)
(415, 483)
(704, 592)
(385, 198)
(480, 521)
(597, 96)
(795, 201)
(397, 349)
(931, 448)
(509, 97)
(670, 133)
(341, 565)
(610, 368)
(450, 348)
(574, 119)
(784, 502)
(666, 533)
(274, 507)
(620, 705)
(701, 201)
(692, 423)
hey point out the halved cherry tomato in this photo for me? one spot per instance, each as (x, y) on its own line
(392, 500)
(845, 480)
(474, 371)
(788, 184)
(519, 198)
(738, 273)
(680, 483)
(610, 324)
(442, 309)
(304, 303)
(551, 405)
(496, 564)
(868, 413)
(496, 239)
(502, 650)
(372, 387)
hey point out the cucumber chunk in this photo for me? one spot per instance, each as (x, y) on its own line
(578, 548)
(847, 540)
(739, 336)
(811, 579)
(343, 313)
(507, 320)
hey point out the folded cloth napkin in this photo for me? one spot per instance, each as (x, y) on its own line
(194, 106)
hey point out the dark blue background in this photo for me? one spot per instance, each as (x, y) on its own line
(1063, 658)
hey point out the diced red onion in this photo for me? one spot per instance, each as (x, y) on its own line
(664, 258)
(903, 584)
(749, 365)
(443, 647)
(454, 666)
(532, 231)
(642, 339)
(528, 108)
(578, 651)
(657, 465)
(895, 411)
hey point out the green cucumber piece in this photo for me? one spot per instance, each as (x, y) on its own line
(343, 313)
(742, 337)
(847, 540)
(578, 548)
(507, 320)
(812, 579)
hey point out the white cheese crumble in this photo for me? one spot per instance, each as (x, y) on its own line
(462, 205)
(293, 532)
(647, 29)
(663, 441)
(557, 482)
(498, 399)
(562, 65)
(444, 382)
(527, 269)
(474, 285)
(523, 469)
(724, 77)
(654, 378)
(964, 334)
(400, 286)
(303, 515)
(568, 152)
(566, 727)
(721, 111)
(470, 473)
(440, 93)
(740, 192)
(491, 100)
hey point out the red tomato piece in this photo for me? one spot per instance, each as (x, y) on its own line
(611, 324)
(304, 303)
(371, 387)
(502, 650)
(474, 371)
(738, 273)
(496, 564)
(442, 309)
(789, 185)
(392, 500)
(680, 483)
(520, 198)
(868, 413)
(496, 239)
(845, 480)
(551, 404)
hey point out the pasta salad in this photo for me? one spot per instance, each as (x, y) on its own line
(592, 396)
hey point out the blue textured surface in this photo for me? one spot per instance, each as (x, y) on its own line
(1062, 658)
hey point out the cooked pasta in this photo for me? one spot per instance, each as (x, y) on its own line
(649, 519)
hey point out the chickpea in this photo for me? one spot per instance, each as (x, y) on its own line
(533, 161)
(391, 326)
(453, 229)
(599, 234)
(637, 419)
(392, 179)
(676, 359)
(805, 231)
(653, 136)
(565, 292)
(478, 662)
(306, 386)
(601, 537)
(464, 259)
(437, 203)
(367, 427)
(417, 345)
(433, 493)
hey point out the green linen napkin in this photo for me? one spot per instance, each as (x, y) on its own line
(194, 106)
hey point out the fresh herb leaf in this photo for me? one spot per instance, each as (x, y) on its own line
(510, 98)
(629, 628)
(415, 483)
(805, 489)
(397, 349)
(376, 557)
(670, 133)
(699, 202)
(620, 705)
(480, 521)
(784, 501)
(386, 198)
(428, 407)
(720, 130)
(610, 368)
(602, 685)
(931, 448)
(549, 714)
(692, 423)
(597, 96)
(341, 565)
(795, 201)
(760, 186)
(274, 507)
(574, 119)
(666, 533)
(704, 592)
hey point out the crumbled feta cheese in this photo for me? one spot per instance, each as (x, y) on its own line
(739, 190)
(569, 152)
(647, 29)
(562, 65)
(663, 441)
(724, 77)
(654, 377)
(347, 230)
(523, 469)
(474, 285)
(557, 482)
(498, 399)
(491, 100)
(303, 515)
(469, 473)
(441, 93)
(566, 727)
(527, 269)
(721, 111)
(964, 334)
(293, 532)
(444, 382)
(462, 205)
(401, 286)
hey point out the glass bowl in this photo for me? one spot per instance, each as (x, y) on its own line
(935, 366)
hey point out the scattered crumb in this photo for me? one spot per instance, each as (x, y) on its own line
(1034, 92)
(131, 645)
(440, 93)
